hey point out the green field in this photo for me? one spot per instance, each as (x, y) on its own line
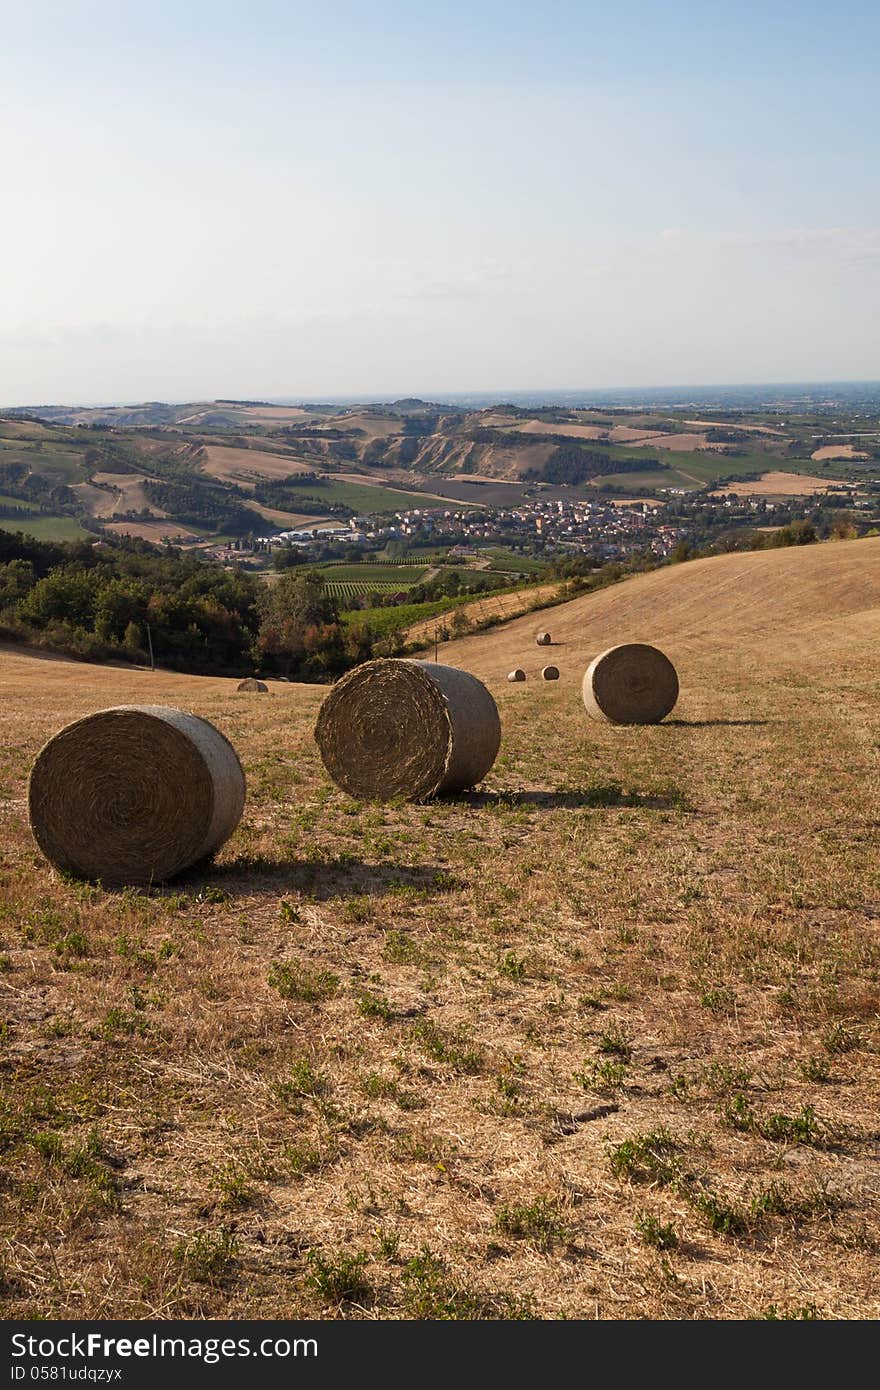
(46, 528)
(507, 562)
(362, 497)
(692, 471)
(383, 621)
(59, 464)
(7, 501)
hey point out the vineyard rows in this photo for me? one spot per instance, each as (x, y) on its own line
(349, 588)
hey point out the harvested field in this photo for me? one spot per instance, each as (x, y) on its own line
(629, 1072)
(155, 531)
(777, 484)
(732, 425)
(101, 503)
(839, 451)
(129, 488)
(245, 466)
(288, 521)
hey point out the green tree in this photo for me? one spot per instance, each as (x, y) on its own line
(16, 579)
(68, 596)
(294, 613)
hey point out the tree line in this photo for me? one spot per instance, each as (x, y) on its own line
(100, 601)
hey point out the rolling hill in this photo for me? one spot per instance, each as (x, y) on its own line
(105, 467)
(599, 1039)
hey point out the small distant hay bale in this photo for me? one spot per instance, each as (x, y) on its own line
(550, 673)
(517, 674)
(252, 684)
(630, 684)
(134, 794)
(411, 729)
(543, 639)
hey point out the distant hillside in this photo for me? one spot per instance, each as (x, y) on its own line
(202, 470)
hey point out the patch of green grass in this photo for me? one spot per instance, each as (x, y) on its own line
(719, 1001)
(840, 1038)
(431, 1293)
(233, 1187)
(647, 1157)
(604, 1076)
(537, 1222)
(338, 1278)
(615, 1043)
(208, 1257)
(806, 1312)
(512, 966)
(803, 1128)
(454, 1049)
(295, 981)
(302, 1082)
(46, 528)
(815, 1069)
(660, 1235)
(401, 949)
(373, 1005)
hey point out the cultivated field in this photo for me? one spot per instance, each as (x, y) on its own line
(599, 1040)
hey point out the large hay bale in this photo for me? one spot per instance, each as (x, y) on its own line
(252, 684)
(550, 673)
(517, 674)
(135, 794)
(412, 729)
(630, 684)
(543, 639)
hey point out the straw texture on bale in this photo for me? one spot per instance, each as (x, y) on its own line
(411, 729)
(543, 639)
(550, 673)
(630, 684)
(134, 794)
(518, 674)
(252, 684)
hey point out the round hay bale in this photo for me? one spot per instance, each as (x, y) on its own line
(550, 673)
(413, 729)
(517, 674)
(630, 684)
(135, 794)
(543, 639)
(252, 684)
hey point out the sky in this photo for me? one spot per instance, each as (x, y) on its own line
(206, 199)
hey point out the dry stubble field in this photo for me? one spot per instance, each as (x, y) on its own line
(597, 1041)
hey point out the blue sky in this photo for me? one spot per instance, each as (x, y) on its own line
(301, 199)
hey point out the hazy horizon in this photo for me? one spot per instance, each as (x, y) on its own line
(534, 395)
(280, 202)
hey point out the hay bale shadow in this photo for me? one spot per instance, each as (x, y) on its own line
(602, 794)
(720, 723)
(341, 877)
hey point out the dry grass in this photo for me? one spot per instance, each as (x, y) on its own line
(600, 1040)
